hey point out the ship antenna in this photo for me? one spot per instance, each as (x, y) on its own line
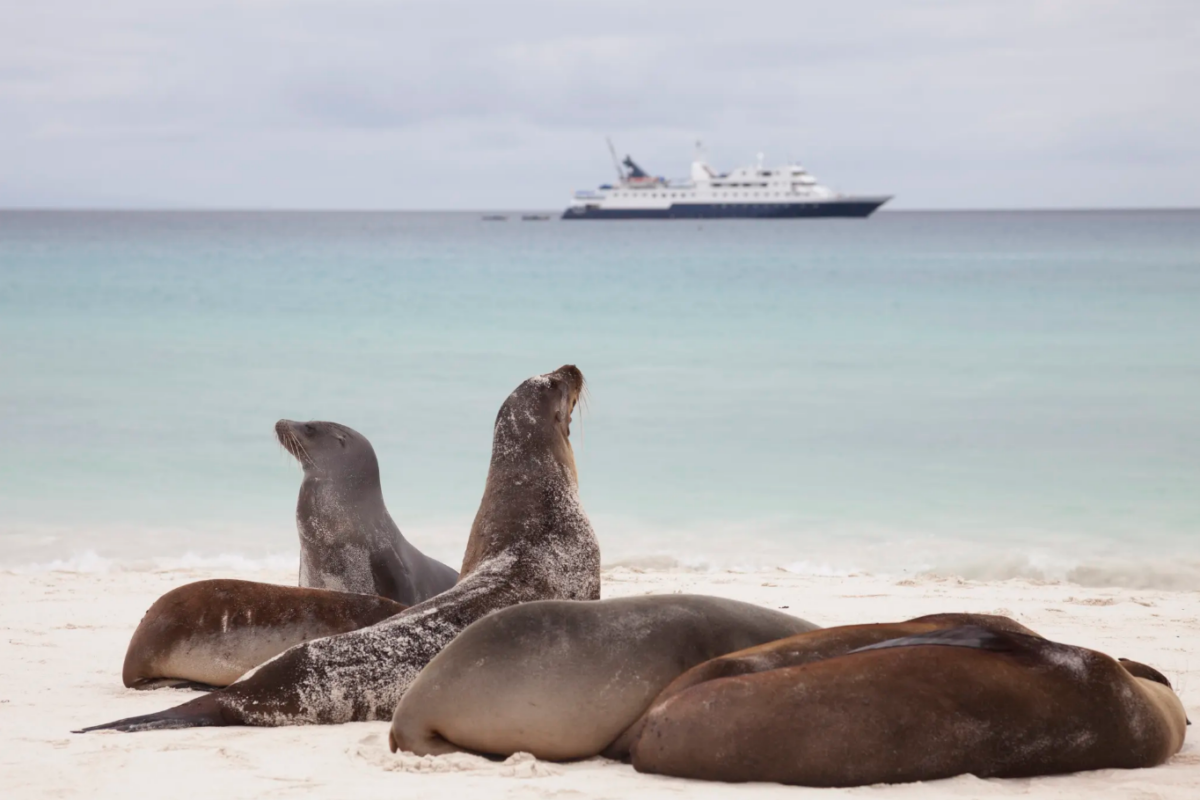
(616, 161)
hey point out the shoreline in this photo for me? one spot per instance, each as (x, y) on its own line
(67, 631)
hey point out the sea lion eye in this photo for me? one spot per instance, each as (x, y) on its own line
(342, 440)
(309, 428)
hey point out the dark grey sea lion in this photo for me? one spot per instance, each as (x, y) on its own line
(964, 700)
(348, 541)
(531, 540)
(209, 633)
(563, 680)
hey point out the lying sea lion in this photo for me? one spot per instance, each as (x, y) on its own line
(348, 541)
(562, 680)
(531, 540)
(209, 633)
(805, 648)
(964, 700)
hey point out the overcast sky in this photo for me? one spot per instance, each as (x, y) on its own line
(409, 104)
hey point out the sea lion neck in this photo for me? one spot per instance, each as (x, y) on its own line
(360, 478)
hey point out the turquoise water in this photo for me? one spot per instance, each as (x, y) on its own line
(981, 394)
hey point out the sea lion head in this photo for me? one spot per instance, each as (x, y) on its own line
(328, 450)
(537, 415)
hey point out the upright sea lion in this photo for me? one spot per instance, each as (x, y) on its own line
(964, 700)
(348, 541)
(562, 680)
(531, 540)
(210, 633)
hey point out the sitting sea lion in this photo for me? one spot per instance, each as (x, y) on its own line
(531, 540)
(562, 680)
(210, 633)
(964, 700)
(348, 541)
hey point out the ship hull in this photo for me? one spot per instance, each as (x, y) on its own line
(858, 207)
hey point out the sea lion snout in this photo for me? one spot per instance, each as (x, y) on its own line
(572, 375)
(569, 379)
(287, 432)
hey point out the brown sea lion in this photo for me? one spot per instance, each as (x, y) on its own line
(531, 540)
(209, 633)
(562, 680)
(348, 541)
(963, 700)
(805, 648)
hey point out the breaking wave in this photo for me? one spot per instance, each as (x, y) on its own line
(1037, 556)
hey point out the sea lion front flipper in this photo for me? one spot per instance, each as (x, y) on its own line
(150, 684)
(972, 636)
(199, 713)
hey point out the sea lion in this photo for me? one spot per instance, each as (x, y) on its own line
(562, 680)
(531, 540)
(348, 541)
(804, 648)
(964, 700)
(209, 633)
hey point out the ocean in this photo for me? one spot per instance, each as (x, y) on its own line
(980, 395)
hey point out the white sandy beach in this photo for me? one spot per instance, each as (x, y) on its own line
(65, 635)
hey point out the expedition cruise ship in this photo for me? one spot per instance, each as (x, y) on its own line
(746, 192)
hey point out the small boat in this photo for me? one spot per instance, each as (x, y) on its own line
(535, 217)
(494, 218)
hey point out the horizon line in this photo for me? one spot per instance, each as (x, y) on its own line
(315, 210)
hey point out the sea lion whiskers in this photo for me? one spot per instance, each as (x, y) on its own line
(581, 400)
(283, 440)
(291, 442)
(307, 459)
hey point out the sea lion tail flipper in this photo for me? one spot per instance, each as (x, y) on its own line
(1140, 670)
(972, 636)
(201, 712)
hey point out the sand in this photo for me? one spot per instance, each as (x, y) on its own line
(65, 635)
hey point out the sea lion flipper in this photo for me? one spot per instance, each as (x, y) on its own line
(972, 636)
(1140, 670)
(150, 684)
(199, 713)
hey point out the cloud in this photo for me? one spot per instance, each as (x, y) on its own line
(452, 104)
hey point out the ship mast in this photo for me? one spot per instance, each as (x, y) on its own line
(616, 161)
